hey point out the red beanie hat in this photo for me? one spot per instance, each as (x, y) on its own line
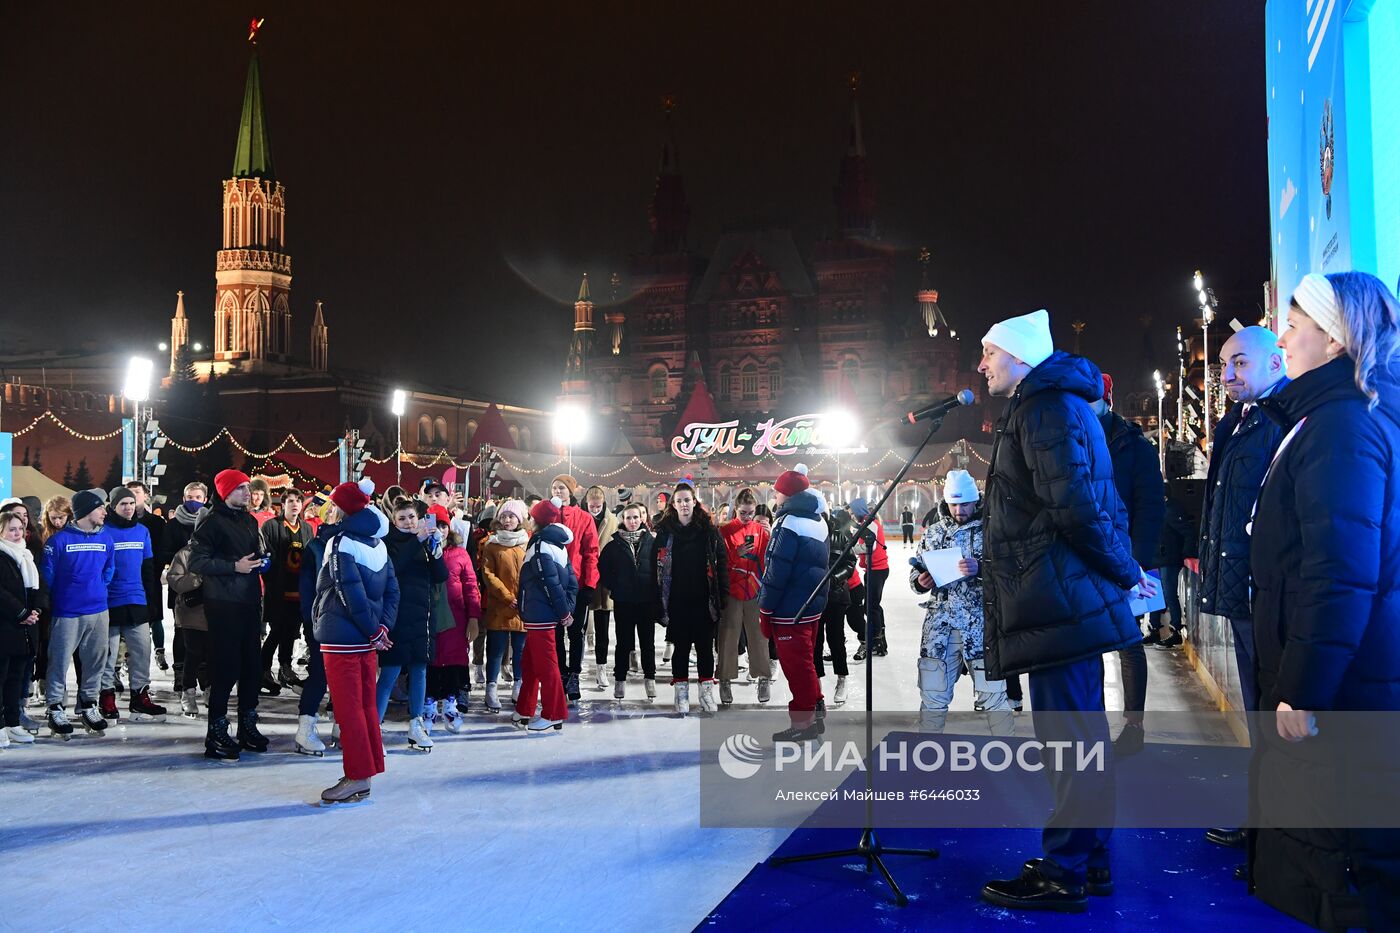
(547, 512)
(444, 517)
(1107, 388)
(226, 481)
(793, 481)
(352, 497)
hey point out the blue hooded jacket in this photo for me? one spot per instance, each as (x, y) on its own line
(77, 567)
(357, 593)
(796, 561)
(548, 587)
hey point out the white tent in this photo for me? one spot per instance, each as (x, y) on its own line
(30, 482)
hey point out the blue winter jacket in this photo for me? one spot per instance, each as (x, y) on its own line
(356, 591)
(131, 544)
(77, 567)
(548, 587)
(796, 561)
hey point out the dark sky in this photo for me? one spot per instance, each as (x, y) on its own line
(450, 171)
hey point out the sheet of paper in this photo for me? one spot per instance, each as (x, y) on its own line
(1141, 606)
(942, 565)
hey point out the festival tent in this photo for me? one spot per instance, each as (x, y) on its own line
(30, 482)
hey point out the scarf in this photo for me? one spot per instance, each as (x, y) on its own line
(630, 538)
(21, 556)
(510, 538)
(187, 516)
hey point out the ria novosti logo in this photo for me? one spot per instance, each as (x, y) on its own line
(740, 756)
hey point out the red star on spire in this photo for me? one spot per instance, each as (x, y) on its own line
(254, 25)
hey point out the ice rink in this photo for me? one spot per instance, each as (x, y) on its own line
(594, 828)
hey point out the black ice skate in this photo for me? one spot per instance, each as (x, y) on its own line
(217, 744)
(248, 735)
(59, 726)
(142, 709)
(92, 719)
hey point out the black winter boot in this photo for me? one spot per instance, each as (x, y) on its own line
(217, 743)
(248, 735)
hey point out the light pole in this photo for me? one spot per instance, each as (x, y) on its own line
(1180, 382)
(1161, 428)
(1206, 297)
(570, 427)
(838, 430)
(398, 403)
(138, 389)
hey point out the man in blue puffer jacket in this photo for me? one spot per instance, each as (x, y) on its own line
(357, 600)
(794, 567)
(548, 594)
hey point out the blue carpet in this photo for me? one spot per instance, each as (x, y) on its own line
(1165, 880)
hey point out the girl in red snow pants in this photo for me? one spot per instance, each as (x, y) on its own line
(352, 678)
(540, 676)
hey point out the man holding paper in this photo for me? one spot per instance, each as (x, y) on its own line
(1057, 569)
(948, 568)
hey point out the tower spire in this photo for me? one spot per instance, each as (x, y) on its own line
(252, 157)
(581, 345)
(179, 332)
(320, 342)
(669, 213)
(855, 193)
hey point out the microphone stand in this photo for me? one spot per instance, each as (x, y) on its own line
(869, 847)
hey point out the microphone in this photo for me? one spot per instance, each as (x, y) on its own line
(939, 409)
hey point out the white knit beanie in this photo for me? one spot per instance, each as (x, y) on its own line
(960, 487)
(1026, 337)
(1318, 300)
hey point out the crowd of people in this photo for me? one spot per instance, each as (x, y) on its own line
(431, 598)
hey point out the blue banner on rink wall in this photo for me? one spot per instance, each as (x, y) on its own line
(7, 464)
(1334, 138)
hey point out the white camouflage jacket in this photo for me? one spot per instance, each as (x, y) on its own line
(958, 605)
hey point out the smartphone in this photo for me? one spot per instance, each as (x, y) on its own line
(431, 520)
(748, 539)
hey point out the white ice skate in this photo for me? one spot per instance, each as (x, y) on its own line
(335, 733)
(418, 736)
(189, 703)
(19, 735)
(518, 721)
(307, 741)
(683, 698)
(603, 683)
(431, 717)
(5, 738)
(707, 696)
(765, 690)
(515, 691)
(666, 655)
(540, 724)
(840, 696)
(650, 685)
(451, 718)
(493, 701)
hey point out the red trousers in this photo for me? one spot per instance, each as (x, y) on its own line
(352, 679)
(539, 677)
(796, 644)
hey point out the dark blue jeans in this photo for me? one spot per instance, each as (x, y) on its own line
(313, 691)
(1244, 660)
(1067, 705)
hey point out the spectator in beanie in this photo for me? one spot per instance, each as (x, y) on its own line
(1325, 557)
(22, 595)
(127, 616)
(548, 595)
(356, 604)
(692, 575)
(663, 499)
(502, 556)
(1058, 567)
(227, 553)
(79, 562)
(152, 570)
(745, 541)
(285, 540)
(791, 604)
(178, 528)
(605, 523)
(583, 557)
(625, 568)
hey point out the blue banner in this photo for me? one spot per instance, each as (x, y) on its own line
(128, 449)
(7, 462)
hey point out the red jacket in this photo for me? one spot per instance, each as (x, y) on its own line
(745, 573)
(880, 558)
(583, 550)
(464, 597)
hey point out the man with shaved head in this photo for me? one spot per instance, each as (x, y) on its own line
(1243, 446)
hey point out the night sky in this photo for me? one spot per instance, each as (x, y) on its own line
(450, 172)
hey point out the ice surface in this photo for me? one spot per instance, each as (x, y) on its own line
(594, 828)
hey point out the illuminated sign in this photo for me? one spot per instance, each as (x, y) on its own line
(780, 438)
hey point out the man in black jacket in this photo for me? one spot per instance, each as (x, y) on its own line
(227, 552)
(284, 539)
(1242, 449)
(1057, 569)
(1137, 476)
(178, 528)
